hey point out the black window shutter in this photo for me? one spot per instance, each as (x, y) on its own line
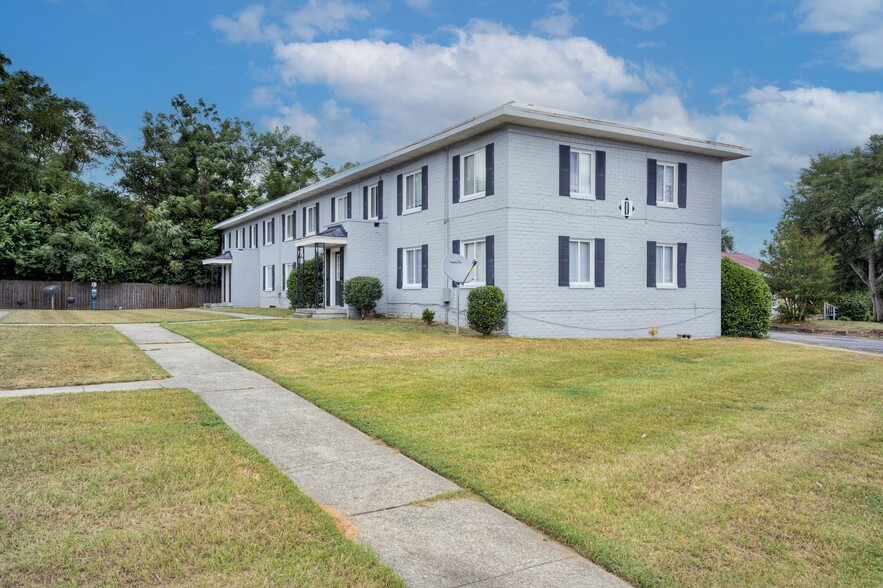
(682, 185)
(564, 171)
(455, 178)
(273, 277)
(399, 271)
(599, 263)
(333, 212)
(455, 248)
(651, 186)
(489, 170)
(424, 266)
(600, 175)
(365, 202)
(317, 218)
(305, 220)
(682, 265)
(424, 188)
(380, 199)
(651, 264)
(399, 192)
(349, 205)
(564, 260)
(489, 260)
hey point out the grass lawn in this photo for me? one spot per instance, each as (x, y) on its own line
(66, 317)
(867, 329)
(672, 463)
(152, 488)
(37, 357)
(280, 312)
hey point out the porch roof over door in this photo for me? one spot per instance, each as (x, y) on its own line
(334, 235)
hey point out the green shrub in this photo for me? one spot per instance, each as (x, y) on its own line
(746, 301)
(302, 283)
(487, 309)
(362, 293)
(428, 316)
(853, 305)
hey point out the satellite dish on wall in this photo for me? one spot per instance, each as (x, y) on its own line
(456, 267)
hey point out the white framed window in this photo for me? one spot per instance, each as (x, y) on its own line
(342, 205)
(582, 263)
(413, 268)
(288, 226)
(666, 261)
(414, 191)
(666, 180)
(313, 219)
(269, 231)
(253, 236)
(475, 250)
(373, 203)
(582, 174)
(227, 238)
(473, 175)
(269, 278)
(287, 268)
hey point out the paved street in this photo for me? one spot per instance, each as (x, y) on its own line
(854, 343)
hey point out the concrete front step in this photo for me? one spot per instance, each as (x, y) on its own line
(320, 313)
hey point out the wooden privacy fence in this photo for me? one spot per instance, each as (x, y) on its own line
(29, 294)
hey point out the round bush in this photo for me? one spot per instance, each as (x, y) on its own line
(746, 301)
(362, 293)
(487, 309)
(307, 274)
(854, 306)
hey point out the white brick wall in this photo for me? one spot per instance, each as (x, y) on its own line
(526, 215)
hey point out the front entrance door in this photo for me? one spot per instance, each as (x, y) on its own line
(338, 277)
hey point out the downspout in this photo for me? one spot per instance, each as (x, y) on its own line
(447, 219)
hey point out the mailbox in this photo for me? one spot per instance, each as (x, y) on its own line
(93, 304)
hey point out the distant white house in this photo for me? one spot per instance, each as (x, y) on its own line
(534, 196)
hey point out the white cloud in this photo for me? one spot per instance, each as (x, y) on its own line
(637, 15)
(245, 28)
(786, 128)
(324, 16)
(558, 22)
(410, 91)
(858, 22)
(312, 19)
(421, 5)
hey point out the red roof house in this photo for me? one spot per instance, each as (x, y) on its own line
(742, 259)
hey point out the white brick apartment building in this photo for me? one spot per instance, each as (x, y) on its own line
(534, 195)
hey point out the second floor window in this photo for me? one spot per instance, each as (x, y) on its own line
(474, 175)
(581, 174)
(414, 191)
(289, 227)
(665, 183)
(312, 221)
(269, 231)
(342, 208)
(373, 203)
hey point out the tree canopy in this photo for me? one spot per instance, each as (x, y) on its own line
(839, 197)
(191, 169)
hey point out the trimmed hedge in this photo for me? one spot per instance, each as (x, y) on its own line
(746, 301)
(487, 309)
(362, 293)
(309, 296)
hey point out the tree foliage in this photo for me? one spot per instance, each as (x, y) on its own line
(305, 284)
(797, 269)
(728, 242)
(840, 197)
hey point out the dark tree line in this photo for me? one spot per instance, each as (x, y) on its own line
(192, 169)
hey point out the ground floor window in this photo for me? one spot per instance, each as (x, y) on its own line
(413, 259)
(666, 258)
(269, 278)
(475, 250)
(581, 273)
(287, 268)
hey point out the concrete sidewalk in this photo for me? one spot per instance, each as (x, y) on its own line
(445, 543)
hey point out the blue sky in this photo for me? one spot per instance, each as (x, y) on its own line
(788, 78)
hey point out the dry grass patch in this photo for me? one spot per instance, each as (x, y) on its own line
(280, 312)
(859, 328)
(37, 357)
(152, 488)
(723, 462)
(85, 317)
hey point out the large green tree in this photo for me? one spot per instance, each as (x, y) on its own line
(728, 242)
(840, 197)
(797, 269)
(44, 139)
